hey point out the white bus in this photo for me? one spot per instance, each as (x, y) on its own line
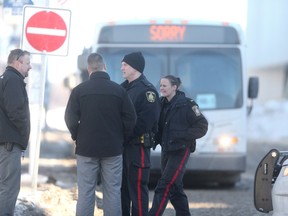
(210, 60)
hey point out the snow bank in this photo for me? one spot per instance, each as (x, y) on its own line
(268, 122)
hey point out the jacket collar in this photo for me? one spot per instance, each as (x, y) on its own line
(99, 75)
(126, 84)
(12, 69)
(179, 96)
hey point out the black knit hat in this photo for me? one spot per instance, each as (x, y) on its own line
(135, 60)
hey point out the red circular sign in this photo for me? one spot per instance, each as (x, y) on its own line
(46, 31)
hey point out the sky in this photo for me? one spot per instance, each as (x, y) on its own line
(110, 10)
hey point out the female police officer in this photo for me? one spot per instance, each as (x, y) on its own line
(180, 124)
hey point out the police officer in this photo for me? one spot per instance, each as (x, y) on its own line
(180, 124)
(136, 156)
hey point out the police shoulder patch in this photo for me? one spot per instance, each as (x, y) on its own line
(196, 110)
(151, 96)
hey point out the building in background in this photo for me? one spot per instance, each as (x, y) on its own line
(267, 47)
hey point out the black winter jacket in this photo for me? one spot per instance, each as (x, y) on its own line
(14, 109)
(180, 124)
(99, 115)
(147, 105)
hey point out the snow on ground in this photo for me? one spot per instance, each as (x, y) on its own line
(268, 122)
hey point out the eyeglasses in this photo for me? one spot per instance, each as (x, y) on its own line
(20, 53)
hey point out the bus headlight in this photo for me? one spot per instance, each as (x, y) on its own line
(226, 141)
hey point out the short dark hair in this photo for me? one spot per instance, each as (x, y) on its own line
(16, 54)
(96, 62)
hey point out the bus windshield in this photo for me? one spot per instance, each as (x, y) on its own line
(210, 76)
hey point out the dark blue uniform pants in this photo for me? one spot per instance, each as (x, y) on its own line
(135, 185)
(170, 186)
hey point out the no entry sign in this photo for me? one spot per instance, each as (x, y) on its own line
(46, 31)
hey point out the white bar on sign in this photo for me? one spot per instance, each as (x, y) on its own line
(46, 31)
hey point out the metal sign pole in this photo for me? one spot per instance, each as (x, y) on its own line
(55, 23)
(37, 120)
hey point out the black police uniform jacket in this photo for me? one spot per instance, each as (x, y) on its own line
(147, 105)
(14, 108)
(180, 124)
(99, 114)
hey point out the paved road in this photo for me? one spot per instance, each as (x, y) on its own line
(236, 201)
(203, 201)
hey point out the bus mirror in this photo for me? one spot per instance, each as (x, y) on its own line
(82, 59)
(253, 87)
(70, 81)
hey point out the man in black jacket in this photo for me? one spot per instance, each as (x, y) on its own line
(136, 157)
(14, 127)
(99, 116)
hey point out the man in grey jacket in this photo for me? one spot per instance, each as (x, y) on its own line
(100, 116)
(14, 127)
